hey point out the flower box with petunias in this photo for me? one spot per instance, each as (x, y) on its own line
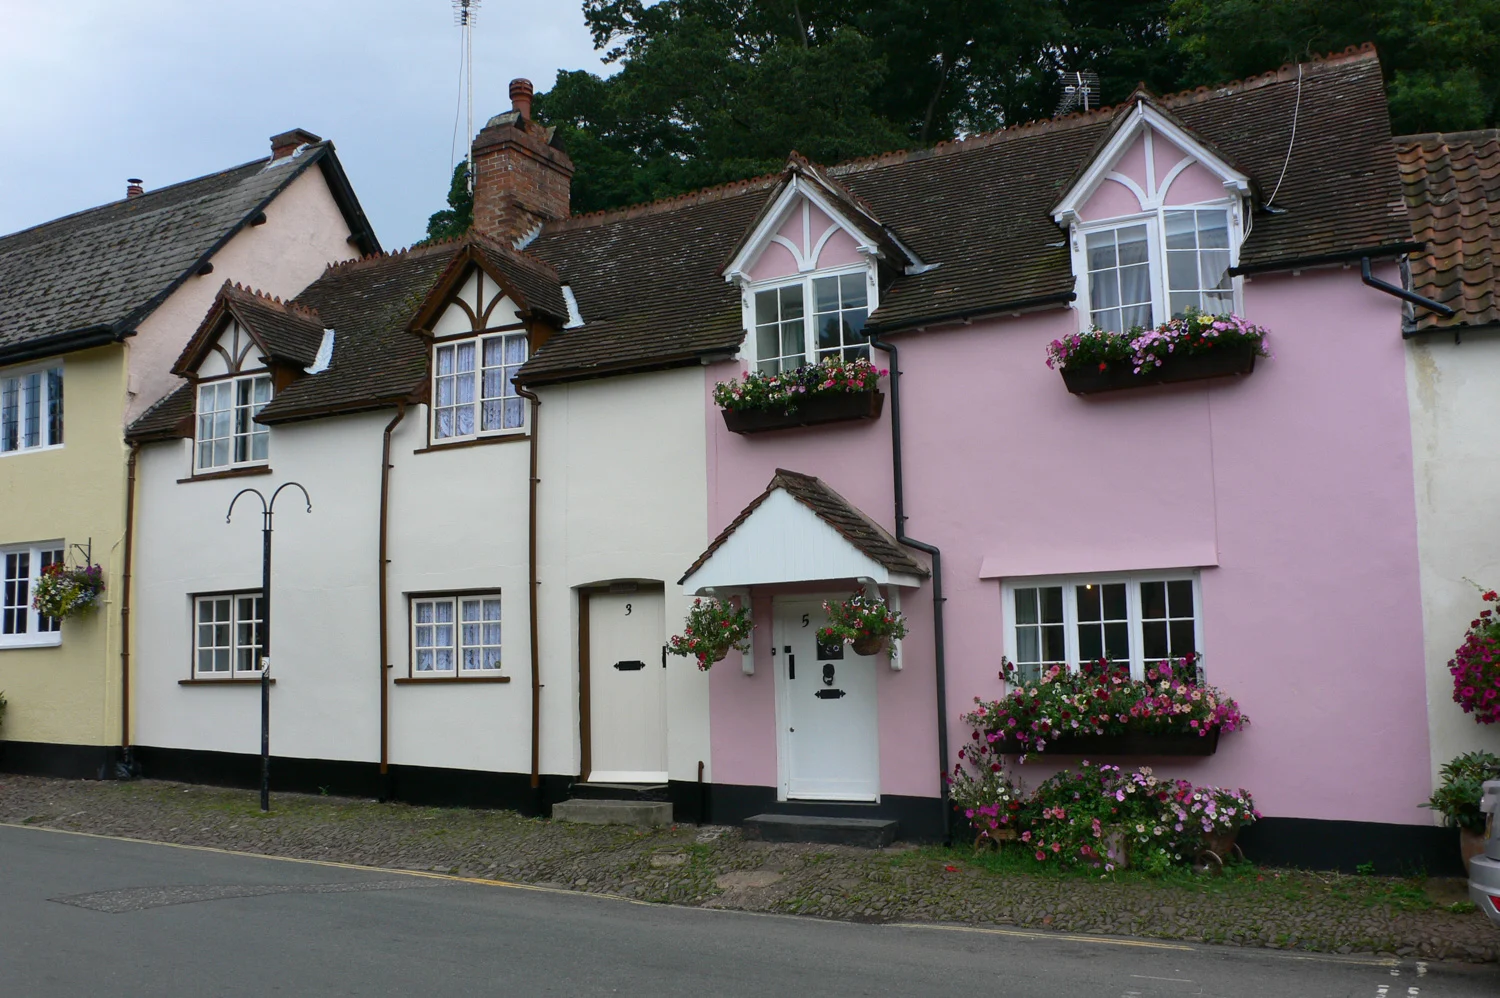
(1190, 348)
(1476, 665)
(1101, 709)
(834, 391)
(713, 628)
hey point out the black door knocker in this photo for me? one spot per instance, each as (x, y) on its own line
(827, 673)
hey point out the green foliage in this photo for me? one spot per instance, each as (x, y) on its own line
(2, 707)
(1457, 799)
(453, 221)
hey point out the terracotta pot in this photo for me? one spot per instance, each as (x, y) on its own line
(868, 645)
(1221, 844)
(1470, 844)
(1114, 847)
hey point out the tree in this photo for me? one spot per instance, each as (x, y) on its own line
(454, 220)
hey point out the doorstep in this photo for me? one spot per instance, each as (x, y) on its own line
(641, 813)
(871, 833)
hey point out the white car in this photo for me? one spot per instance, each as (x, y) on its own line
(1484, 870)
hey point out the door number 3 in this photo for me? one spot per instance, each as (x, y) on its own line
(629, 609)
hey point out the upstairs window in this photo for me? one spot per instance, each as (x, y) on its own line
(1139, 621)
(790, 334)
(228, 435)
(21, 567)
(1146, 270)
(31, 410)
(474, 387)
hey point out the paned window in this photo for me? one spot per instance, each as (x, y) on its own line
(474, 386)
(1139, 621)
(31, 410)
(228, 635)
(789, 335)
(1148, 269)
(228, 435)
(455, 635)
(20, 569)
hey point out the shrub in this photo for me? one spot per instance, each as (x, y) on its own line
(1457, 799)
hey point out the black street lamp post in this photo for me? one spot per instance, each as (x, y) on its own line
(267, 511)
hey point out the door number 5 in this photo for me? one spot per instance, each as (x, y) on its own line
(804, 620)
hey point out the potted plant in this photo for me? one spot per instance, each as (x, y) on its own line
(712, 629)
(833, 391)
(1476, 665)
(865, 623)
(1101, 709)
(980, 790)
(64, 592)
(1190, 348)
(1457, 799)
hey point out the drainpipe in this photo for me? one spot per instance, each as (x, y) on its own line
(536, 662)
(1392, 289)
(938, 645)
(385, 683)
(126, 767)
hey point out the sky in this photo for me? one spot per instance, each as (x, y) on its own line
(93, 92)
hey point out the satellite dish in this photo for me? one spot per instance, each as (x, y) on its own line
(1080, 92)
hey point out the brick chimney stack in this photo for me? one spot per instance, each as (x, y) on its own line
(286, 143)
(521, 177)
(133, 188)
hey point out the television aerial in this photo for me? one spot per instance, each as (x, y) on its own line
(1080, 92)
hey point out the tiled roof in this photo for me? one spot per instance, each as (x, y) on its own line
(290, 333)
(648, 282)
(109, 267)
(169, 418)
(1452, 181)
(867, 536)
(532, 279)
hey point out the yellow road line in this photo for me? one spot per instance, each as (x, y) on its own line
(1052, 936)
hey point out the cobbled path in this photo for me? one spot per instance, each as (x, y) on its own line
(717, 867)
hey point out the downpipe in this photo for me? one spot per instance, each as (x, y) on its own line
(536, 662)
(382, 575)
(938, 642)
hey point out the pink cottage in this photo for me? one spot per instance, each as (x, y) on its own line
(1260, 518)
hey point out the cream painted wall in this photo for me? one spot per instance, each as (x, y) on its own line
(304, 231)
(325, 635)
(75, 493)
(623, 495)
(1454, 391)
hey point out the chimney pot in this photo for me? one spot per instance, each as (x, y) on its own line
(520, 97)
(133, 188)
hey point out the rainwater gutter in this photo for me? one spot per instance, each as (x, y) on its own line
(1369, 278)
(384, 572)
(938, 642)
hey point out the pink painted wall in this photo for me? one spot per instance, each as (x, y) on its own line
(1112, 199)
(1299, 476)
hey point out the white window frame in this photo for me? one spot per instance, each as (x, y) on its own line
(1156, 225)
(13, 386)
(423, 637)
(234, 645)
(1132, 582)
(36, 630)
(478, 341)
(234, 410)
(750, 352)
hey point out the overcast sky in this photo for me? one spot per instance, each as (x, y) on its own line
(95, 91)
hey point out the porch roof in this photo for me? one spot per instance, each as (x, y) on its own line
(800, 530)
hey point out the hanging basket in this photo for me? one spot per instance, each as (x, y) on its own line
(869, 644)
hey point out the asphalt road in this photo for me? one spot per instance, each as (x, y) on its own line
(82, 915)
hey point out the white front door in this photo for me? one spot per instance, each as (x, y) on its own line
(829, 739)
(627, 689)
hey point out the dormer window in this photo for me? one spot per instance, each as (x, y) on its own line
(789, 334)
(228, 436)
(1150, 269)
(474, 386)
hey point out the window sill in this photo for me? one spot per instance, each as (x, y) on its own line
(221, 682)
(210, 476)
(53, 641)
(439, 680)
(31, 450)
(499, 438)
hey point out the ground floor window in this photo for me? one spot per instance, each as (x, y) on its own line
(1139, 620)
(229, 635)
(21, 567)
(455, 635)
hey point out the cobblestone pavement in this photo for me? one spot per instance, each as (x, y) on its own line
(717, 867)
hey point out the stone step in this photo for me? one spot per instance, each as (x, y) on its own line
(619, 791)
(872, 833)
(641, 813)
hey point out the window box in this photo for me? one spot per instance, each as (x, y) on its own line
(1232, 359)
(838, 407)
(1134, 744)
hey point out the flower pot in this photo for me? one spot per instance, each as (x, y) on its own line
(869, 645)
(1236, 358)
(834, 407)
(1117, 745)
(1114, 847)
(1470, 844)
